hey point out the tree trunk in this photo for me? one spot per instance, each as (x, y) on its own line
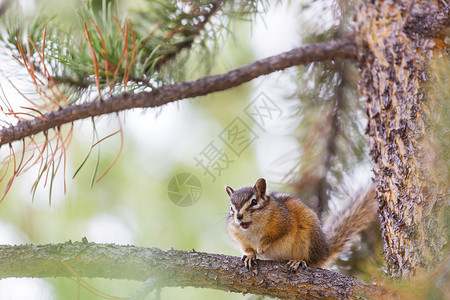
(409, 168)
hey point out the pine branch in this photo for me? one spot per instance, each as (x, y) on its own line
(335, 50)
(177, 268)
(195, 31)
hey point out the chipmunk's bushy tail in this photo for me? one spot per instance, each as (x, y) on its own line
(356, 215)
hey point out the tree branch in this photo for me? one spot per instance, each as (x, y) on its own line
(177, 268)
(335, 50)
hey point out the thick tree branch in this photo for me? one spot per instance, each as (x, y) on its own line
(177, 268)
(335, 50)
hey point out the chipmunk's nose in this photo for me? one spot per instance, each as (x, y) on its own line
(239, 216)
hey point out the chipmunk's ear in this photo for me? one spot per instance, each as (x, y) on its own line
(260, 187)
(229, 190)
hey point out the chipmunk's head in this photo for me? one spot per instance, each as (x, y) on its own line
(247, 203)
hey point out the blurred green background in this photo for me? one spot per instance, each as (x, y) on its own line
(130, 205)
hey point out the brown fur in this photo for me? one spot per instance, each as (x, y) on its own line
(281, 227)
(357, 213)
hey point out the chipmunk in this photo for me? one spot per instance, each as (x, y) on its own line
(280, 227)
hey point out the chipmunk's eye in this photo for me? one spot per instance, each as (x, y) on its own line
(231, 208)
(254, 202)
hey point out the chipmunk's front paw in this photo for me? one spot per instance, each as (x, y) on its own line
(262, 249)
(293, 265)
(250, 263)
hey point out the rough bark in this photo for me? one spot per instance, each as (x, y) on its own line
(426, 24)
(409, 169)
(303, 55)
(177, 268)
